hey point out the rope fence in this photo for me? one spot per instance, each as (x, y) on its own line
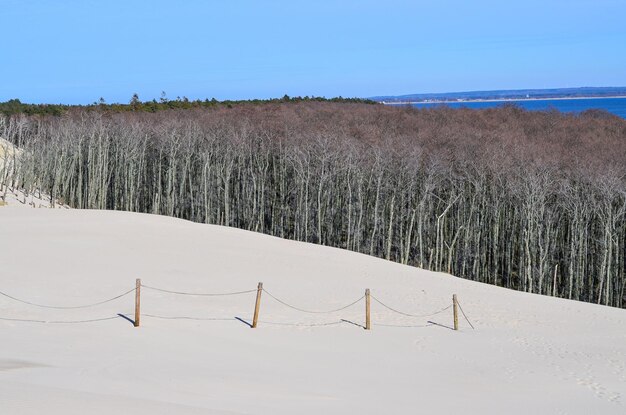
(61, 321)
(367, 297)
(274, 323)
(463, 312)
(411, 315)
(197, 294)
(311, 311)
(403, 325)
(67, 307)
(188, 318)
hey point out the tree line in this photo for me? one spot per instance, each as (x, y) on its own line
(533, 201)
(15, 106)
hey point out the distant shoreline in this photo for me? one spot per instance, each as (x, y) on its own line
(497, 100)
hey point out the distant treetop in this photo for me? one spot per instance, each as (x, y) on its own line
(15, 106)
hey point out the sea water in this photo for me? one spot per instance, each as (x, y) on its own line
(616, 106)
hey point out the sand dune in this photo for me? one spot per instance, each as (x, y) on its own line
(7, 150)
(528, 353)
(14, 196)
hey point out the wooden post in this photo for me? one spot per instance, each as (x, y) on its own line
(137, 301)
(456, 312)
(257, 305)
(368, 325)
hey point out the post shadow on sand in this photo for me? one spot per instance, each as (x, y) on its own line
(131, 321)
(243, 321)
(125, 317)
(353, 323)
(429, 321)
(440, 325)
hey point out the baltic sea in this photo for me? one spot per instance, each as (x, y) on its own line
(616, 106)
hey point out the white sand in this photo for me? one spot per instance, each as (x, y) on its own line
(529, 354)
(16, 197)
(9, 155)
(7, 150)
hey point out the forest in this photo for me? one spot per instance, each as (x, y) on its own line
(532, 201)
(15, 106)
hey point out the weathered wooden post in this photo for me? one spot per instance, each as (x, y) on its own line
(257, 305)
(455, 312)
(137, 301)
(368, 325)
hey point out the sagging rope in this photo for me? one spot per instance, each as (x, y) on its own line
(463, 312)
(408, 314)
(313, 311)
(223, 319)
(332, 323)
(402, 325)
(67, 307)
(234, 319)
(198, 294)
(188, 318)
(60, 321)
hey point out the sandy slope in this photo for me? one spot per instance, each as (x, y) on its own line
(12, 196)
(7, 150)
(17, 197)
(528, 354)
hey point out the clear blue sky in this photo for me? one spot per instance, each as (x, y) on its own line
(76, 51)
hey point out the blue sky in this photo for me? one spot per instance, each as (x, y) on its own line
(70, 51)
